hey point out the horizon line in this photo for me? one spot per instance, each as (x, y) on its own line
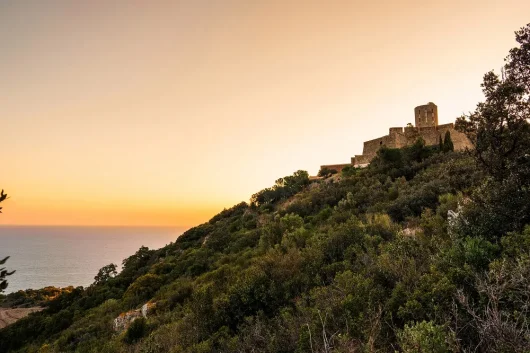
(96, 226)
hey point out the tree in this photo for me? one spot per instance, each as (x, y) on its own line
(448, 142)
(2, 198)
(3, 272)
(325, 171)
(518, 64)
(283, 188)
(499, 128)
(105, 273)
(418, 152)
(136, 331)
(499, 316)
(142, 289)
(349, 170)
(500, 132)
(426, 337)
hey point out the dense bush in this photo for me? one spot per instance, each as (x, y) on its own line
(136, 331)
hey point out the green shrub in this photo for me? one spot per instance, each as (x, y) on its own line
(349, 171)
(136, 331)
(324, 172)
(142, 290)
(426, 337)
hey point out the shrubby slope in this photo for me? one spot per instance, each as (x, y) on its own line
(425, 250)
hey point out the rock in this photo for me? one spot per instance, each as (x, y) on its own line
(147, 308)
(411, 232)
(124, 320)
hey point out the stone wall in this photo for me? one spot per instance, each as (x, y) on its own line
(396, 138)
(371, 147)
(399, 138)
(460, 140)
(336, 167)
(411, 132)
(361, 160)
(430, 135)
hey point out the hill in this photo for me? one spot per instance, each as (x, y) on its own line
(339, 256)
(424, 250)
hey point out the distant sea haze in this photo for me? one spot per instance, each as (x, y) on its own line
(72, 256)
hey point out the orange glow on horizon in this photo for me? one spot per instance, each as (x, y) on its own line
(164, 113)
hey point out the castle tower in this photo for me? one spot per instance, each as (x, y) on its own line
(426, 115)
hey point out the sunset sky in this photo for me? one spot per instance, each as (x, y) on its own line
(159, 112)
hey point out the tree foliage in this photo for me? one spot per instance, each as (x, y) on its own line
(324, 172)
(136, 331)
(283, 188)
(3, 197)
(500, 132)
(448, 145)
(105, 273)
(499, 127)
(3, 271)
(3, 274)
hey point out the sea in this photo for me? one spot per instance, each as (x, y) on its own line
(71, 256)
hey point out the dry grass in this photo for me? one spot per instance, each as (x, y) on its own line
(9, 316)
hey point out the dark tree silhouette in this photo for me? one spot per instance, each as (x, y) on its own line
(448, 142)
(105, 273)
(3, 272)
(3, 196)
(499, 128)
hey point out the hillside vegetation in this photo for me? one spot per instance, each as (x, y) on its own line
(425, 250)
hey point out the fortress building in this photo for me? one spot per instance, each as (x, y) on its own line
(426, 119)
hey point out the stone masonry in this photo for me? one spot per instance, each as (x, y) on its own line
(426, 119)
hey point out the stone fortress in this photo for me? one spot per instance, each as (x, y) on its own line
(426, 119)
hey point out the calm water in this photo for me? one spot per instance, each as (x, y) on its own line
(63, 256)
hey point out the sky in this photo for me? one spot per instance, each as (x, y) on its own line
(165, 112)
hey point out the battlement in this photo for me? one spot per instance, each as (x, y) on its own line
(446, 126)
(376, 140)
(395, 130)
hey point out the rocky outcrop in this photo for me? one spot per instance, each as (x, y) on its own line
(124, 320)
